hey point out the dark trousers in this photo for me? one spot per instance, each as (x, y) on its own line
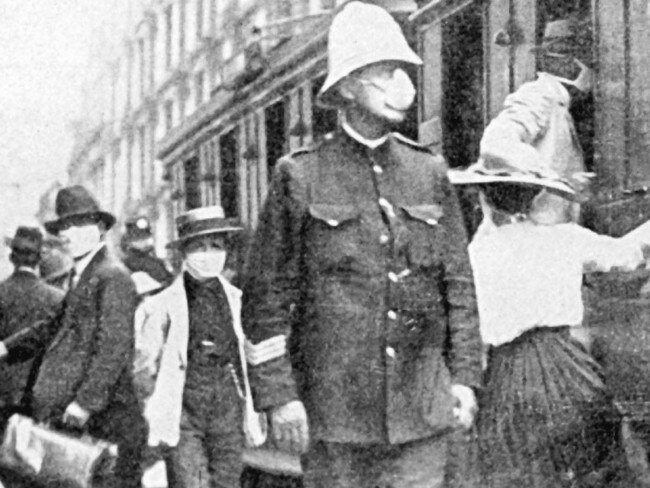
(419, 464)
(207, 456)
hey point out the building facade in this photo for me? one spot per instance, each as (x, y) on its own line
(172, 67)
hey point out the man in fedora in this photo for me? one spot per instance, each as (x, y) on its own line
(85, 377)
(190, 365)
(24, 300)
(536, 125)
(358, 295)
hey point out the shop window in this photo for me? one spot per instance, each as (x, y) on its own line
(462, 103)
(276, 140)
(462, 86)
(192, 180)
(199, 87)
(169, 26)
(228, 149)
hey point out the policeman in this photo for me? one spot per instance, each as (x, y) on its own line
(138, 247)
(358, 295)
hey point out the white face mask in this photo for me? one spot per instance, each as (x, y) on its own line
(398, 90)
(81, 239)
(583, 82)
(203, 265)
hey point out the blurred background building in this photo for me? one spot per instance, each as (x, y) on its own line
(191, 102)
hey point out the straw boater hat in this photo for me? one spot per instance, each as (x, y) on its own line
(361, 34)
(201, 222)
(74, 202)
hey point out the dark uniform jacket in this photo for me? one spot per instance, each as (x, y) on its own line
(89, 354)
(360, 258)
(24, 300)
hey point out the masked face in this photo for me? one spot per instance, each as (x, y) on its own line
(384, 90)
(81, 239)
(572, 72)
(205, 258)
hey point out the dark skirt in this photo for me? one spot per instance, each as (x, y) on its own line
(545, 418)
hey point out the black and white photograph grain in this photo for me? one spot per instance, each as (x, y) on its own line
(324, 243)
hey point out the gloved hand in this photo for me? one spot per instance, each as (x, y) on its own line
(289, 427)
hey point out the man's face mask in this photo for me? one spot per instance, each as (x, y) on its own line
(388, 91)
(81, 239)
(583, 81)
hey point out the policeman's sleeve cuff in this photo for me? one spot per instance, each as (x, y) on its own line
(272, 384)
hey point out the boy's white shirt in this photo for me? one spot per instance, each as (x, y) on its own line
(166, 361)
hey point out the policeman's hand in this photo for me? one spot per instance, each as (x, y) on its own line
(75, 416)
(289, 427)
(467, 407)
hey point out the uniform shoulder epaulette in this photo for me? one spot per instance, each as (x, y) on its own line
(411, 143)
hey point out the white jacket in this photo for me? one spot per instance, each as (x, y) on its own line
(535, 127)
(160, 364)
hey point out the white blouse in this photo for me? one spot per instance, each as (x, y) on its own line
(530, 275)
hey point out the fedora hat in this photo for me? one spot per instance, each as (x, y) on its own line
(76, 201)
(565, 36)
(26, 240)
(492, 170)
(201, 222)
(361, 34)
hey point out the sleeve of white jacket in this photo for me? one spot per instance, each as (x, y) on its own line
(149, 340)
(525, 116)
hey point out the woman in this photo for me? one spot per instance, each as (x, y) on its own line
(545, 418)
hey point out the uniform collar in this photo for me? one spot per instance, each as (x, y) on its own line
(371, 143)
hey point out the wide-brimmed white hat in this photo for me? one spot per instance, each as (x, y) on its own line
(361, 34)
(493, 170)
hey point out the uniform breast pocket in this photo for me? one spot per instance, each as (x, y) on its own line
(420, 239)
(334, 235)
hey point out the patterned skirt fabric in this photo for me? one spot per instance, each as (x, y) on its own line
(545, 419)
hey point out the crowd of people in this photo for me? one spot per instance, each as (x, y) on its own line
(366, 333)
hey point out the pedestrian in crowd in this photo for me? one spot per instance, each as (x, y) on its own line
(545, 418)
(137, 244)
(24, 300)
(85, 377)
(190, 365)
(358, 294)
(56, 263)
(536, 124)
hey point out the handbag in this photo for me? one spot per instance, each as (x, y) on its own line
(47, 455)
